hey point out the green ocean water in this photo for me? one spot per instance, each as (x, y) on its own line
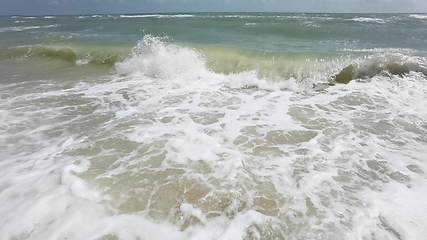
(213, 126)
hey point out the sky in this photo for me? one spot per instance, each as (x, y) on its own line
(57, 7)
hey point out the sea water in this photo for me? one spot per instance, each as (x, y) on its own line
(213, 126)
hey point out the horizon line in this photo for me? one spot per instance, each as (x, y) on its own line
(201, 12)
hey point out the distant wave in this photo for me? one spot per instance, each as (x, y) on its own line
(368, 20)
(157, 16)
(26, 17)
(24, 28)
(418, 16)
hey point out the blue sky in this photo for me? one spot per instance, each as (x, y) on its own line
(52, 7)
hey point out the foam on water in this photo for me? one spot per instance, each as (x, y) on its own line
(152, 58)
(24, 28)
(418, 16)
(366, 19)
(168, 149)
(159, 16)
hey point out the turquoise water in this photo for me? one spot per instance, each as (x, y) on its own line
(260, 31)
(213, 126)
(273, 44)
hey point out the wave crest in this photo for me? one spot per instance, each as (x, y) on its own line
(153, 57)
(73, 53)
(157, 58)
(373, 67)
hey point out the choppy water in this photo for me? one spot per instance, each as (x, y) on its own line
(213, 126)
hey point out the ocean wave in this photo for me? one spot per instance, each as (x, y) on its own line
(374, 67)
(158, 16)
(368, 20)
(155, 58)
(25, 28)
(25, 17)
(197, 140)
(88, 16)
(78, 54)
(239, 16)
(406, 51)
(418, 16)
(139, 16)
(18, 29)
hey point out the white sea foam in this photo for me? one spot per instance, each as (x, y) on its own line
(18, 29)
(167, 149)
(24, 28)
(367, 19)
(418, 16)
(238, 16)
(158, 16)
(139, 16)
(156, 59)
(26, 17)
(405, 51)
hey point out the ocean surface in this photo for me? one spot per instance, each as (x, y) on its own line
(213, 126)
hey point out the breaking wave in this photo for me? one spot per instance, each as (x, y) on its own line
(158, 58)
(78, 54)
(154, 57)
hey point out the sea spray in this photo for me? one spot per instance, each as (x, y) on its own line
(153, 57)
